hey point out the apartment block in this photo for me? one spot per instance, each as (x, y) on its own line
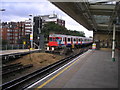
(14, 31)
(17, 32)
(52, 18)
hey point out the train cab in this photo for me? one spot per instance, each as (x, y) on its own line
(54, 41)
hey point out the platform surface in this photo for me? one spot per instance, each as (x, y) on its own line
(93, 70)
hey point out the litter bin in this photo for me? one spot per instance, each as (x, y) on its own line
(94, 46)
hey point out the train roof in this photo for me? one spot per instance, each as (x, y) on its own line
(60, 35)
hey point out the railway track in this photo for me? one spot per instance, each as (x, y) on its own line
(6, 67)
(15, 69)
(24, 81)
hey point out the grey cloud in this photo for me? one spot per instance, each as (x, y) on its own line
(19, 9)
(23, 9)
(24, 0)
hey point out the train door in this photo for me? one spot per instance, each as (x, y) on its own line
(60, 41)
(76, 41)
(81, 41)
(65, 40)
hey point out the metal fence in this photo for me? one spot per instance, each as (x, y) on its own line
(12, 47)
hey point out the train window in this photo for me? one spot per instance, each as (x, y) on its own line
(74, 39)
(71, 39)
(68, 39)
(57, 38)
(79, 40)
(51, 39)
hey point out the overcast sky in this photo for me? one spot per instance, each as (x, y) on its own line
(20, 11)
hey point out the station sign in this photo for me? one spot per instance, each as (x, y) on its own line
(24, 42)
(31, 37)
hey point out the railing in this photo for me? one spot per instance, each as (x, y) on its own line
(12, 47)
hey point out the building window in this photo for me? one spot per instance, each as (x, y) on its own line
(15, 41)
(11, 33)
(16, 37)
(8, 30)
(8, 34)
(9, 38)
(16, 31)
(16, 34)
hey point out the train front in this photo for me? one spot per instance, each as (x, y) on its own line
(53, 43)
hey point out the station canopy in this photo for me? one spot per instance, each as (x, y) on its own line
(97, 15)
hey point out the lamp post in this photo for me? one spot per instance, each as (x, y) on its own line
(0, 19)
(39, 29)
(1, 25)
(31, 35)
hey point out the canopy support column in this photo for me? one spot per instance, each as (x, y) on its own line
(113, 44)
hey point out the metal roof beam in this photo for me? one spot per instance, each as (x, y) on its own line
(99, 12)
(84, 13)
(102, 7)
(72, 9)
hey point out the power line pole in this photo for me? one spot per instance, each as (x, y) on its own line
(31, 35)
(39, 29)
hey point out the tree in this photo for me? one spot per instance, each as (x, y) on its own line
(90, 37)
(52, 27)
(25, 38)
(4, 42)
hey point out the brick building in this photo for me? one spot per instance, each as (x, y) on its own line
(17, 32)
(52, 18)
(13, 32)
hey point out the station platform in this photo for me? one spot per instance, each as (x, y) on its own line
(5, 52)
(93, 69)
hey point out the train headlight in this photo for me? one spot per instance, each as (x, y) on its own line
(53, 48)
(48, 48)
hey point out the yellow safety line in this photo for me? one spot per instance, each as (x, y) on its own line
(56, 75)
